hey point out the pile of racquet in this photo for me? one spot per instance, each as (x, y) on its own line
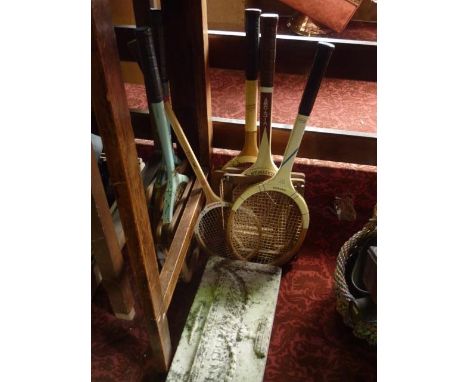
(267, 219)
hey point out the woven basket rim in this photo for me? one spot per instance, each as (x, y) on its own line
(362, 329)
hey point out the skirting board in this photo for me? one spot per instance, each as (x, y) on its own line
(227, 333)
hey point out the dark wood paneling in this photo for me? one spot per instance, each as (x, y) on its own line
(325, 144)
(141, 11)
(185, 33)
(124, 34)
(141, 124)
(351, 59)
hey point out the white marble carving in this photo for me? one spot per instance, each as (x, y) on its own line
(227, 333)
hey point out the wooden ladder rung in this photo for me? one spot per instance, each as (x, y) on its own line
(181, 243)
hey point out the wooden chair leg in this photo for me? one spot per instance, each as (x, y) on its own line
(106, 249)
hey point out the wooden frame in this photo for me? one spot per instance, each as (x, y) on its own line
(352, 59)
(112, 118)
(318, 143)
(186, 35)
(106, 249)
(294, 53)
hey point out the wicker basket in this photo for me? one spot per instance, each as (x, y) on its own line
(361, 329)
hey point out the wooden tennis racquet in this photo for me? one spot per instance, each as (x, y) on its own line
(283, 212)
(248, 154)
(264, 167)
(210, 230)
(233, 185)
(264, 164)
(154, 92)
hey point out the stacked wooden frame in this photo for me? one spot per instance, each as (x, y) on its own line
(190, 97)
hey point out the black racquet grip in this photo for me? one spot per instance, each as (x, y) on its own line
(319, 67)
(149, 64)
(252, 26)
(268, 28)
(133, 48)
(158, 32)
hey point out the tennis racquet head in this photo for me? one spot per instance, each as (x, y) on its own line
(210, 229)
(283, 212)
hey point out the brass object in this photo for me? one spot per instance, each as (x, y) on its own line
(303, 25)
(367, 11)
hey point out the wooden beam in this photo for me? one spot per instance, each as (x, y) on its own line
(142, 125)
(124, 34)
(181, 243)
(113, 118)
(352, 59)
(106, 249)
(141, 11)
(318, 143)
(186, 36)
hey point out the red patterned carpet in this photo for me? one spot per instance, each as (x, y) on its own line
(309, 341)
(341, 104)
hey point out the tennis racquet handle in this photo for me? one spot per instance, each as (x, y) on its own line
(211, 197)
(149, 64)
(252, 25)
(268, 28)
(158, 32)
(322, 57)
(133, 48)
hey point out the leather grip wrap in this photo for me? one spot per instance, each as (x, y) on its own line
(252, 26)
(319, 67)
(149, 64)
(158, 33)
(268, 27)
